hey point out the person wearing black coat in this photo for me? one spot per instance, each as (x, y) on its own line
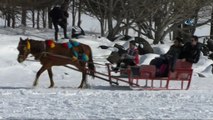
(174, 53)
(167, 61)
(191, 50)
(59, 17)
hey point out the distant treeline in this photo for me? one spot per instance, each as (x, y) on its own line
(153, 19)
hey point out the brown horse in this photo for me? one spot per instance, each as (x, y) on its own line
(51, 54)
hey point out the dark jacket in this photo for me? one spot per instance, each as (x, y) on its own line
(58, 15)
(167, 61)
(172, 55)
(191, 53)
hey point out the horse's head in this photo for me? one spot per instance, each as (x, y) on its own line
(24, 49)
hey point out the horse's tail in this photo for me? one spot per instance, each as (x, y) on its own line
(91, 65)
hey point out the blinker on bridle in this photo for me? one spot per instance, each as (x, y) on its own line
(27, 48)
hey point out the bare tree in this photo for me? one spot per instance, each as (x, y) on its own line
(79, 12)
(150, 18)
(73, 12)
(211, 29)
(98, 9)
(16, 10)
(165, 16)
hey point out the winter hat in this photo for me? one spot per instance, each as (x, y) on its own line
(132, 42)
(180, 40)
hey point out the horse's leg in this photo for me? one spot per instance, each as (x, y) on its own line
(84, 76)
(41, 70)
(84, 79)
(50, 73)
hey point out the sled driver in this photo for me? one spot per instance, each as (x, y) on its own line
(131, 58)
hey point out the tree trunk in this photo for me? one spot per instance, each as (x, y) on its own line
(13, 19)
(127, 27)
(33, 18)
(24, 16)
(49, 19)
(139, 33)
(110, 22)
(211, 29)
(159, 31)
(38, 19)
(44, 18)
(193, 27)
(186, 33)
(158, 36)
(102, 26)
(8, 17)
(5, 21)
(79, 13)
(73, 13)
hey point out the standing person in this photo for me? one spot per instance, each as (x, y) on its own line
(191, 50)
(131, 58)
(59, 17)
(167, 61)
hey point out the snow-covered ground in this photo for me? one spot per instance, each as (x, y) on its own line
(19, 100)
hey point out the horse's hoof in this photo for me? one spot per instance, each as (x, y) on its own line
(84, 86)
(34, 84)
(51, 86)
(80, 87)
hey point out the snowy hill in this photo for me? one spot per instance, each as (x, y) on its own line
(19, 100)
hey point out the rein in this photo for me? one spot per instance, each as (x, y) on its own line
(63, 57)
(44, 52)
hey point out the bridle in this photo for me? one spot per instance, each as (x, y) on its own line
(26, 49)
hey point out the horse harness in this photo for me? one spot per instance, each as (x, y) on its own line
(51, 44)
